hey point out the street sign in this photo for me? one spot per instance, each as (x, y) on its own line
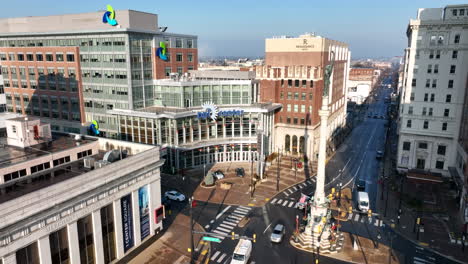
(212, 239)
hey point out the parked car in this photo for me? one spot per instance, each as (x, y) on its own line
(361, 185)
(218, 175)
(240, 172)
(303, 200)
(277, 234)
(175, 196)
(379, 154)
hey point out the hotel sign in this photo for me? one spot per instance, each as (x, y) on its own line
(305, 45)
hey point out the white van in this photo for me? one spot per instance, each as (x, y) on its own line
(363, 201)
(242, 252)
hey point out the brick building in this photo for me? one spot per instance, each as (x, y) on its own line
(293, 76)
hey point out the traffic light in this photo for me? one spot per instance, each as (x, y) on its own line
(254, 238)
(350, 210)
(369, 213)
(233, 235)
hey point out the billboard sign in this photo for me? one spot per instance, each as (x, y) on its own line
(127, 221)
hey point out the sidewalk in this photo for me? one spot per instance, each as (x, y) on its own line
(435, 231)
(237, 189)
(171, 247)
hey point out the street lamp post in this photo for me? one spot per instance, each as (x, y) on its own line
(251, 178)
(191, 231)
(339, 195)
(295, 169)
(278, 172)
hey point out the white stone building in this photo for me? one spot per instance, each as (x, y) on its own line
(434, 86)
(57, 207)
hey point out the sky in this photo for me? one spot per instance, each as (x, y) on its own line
(372, 28)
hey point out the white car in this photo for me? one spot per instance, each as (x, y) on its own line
(277, 234)
(175, 196)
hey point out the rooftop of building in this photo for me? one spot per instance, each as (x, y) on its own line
(11, 155)
(81, 23)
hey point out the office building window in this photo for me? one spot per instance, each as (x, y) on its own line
(190, 58)
(281, 95)
(434, 83)
(310, 96)
(180, 70)
(429, 68)
(302, 108)
(444, 126)
(296, 96)
(189, 43)
(422, 145)
(454, 12)
(28, 254)
(304, 83)
(178, 43)
(412, 97)
(311, 84)
(424, 111)
(303, 96)
(290, 95)
(450, 84)
(302, 121)
(428, 83)
(296, 83)
(436, 68)
(438, 54)
(282, 82)
(446, 112)
(432, 97)
(430, 111)
(452, 69)
(454, 54)
(406, 145)
(431, 54)
(413, 83)
(20, 57)
(289, 83)
(421, 164)
(288, 120)
(39, 57)
(426, 124)
(410, 110)
(30, 57)
(49, 57)
(441, 149)
(85, 239)
(295, 120)
(288, 107)
(408, 123)
(59, 57)
(296, 108)
(448, 98)
(70, 57)
(59, 246)
(179, 57)
(426, 97)
(456, 40)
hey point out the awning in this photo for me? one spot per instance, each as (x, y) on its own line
(457, 178)
(425, 176)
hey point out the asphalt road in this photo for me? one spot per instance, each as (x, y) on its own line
(354, 159)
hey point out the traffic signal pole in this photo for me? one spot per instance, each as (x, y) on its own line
(191, 231)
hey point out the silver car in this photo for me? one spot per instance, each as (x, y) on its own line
(277, 234)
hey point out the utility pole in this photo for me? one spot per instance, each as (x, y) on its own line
(251, 178)
(278, 172)
(295, 169)
(192, 261)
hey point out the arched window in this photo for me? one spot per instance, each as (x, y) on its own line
(301, 145)
(287, 143)
(294, 144)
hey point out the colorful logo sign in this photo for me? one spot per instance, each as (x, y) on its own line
(161, 51)
(109, 16)
(211, 111)
(94, 127)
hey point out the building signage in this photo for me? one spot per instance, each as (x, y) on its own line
(109, 16)
(305, 45)
(144, 211)
(211, 111)
(127, 222)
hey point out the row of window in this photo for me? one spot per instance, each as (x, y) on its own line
(409, 124)
(435, 54)
(439, 40)
(434, 83)
(296, 96)
(180, 70)
(44, 112)
(296, 108)
(83, 154)
(441, 149)
(425, 112)
(459, 12)
(58, 57)
(448, 97)
(179, 57)
(54, 42)
(296, 120)
(298, 83)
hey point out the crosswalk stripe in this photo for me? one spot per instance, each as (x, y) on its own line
(242, 210)
(235, 217)
(362, 219)
(223, 229)
(422, 260)
(303, 184)
(350, 216)
(418, 262)
(222, 257)
(220, 232)
(228, 223)
(285, 193)
(381, 224)
(296, 205)
(238, 215)
(280, 201)
(313, 179)
(356, 218)
(290, 204)
(273, 201)
(226, 226)
(285, 203)
(244, 207)
(309, 181)
(290, 191)
(376, 222)
(215, 255)
(295, 188)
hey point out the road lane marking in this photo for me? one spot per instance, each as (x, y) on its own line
(235, 217)
(421, 259)
(220, 232)
(303, 185)
(222, 257)
(229, 223)
(273, 201)
(290, 204)
(279, 201)
(309, 181)
(346, 165)
(295, 188)
(350, 216)
(238, 215)
(290, 191)
(223, 229)
(356, 218)
(244, 207)
(226, 226)
(267, 227)
(215, 255)
(285, 203)
(222, 212)
(285, 193)
(243, 210)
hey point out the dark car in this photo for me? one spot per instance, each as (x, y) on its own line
(361, 185)
(379, 154)
(240, 172)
